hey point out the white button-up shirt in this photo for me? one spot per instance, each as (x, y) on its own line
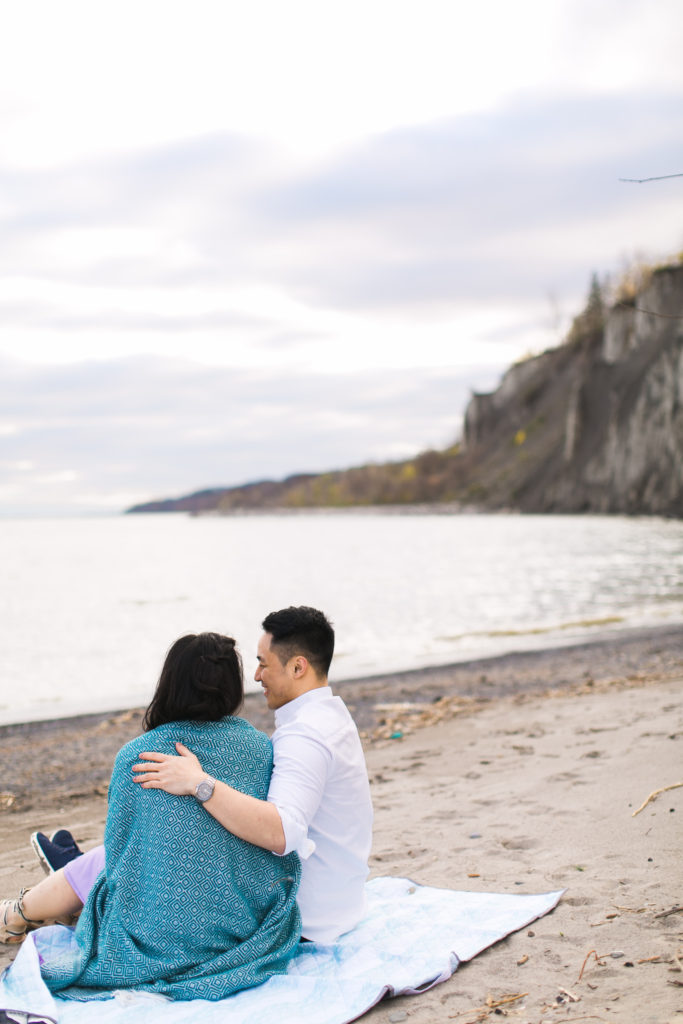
(320, 788)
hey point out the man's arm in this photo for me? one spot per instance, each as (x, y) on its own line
(297, 787)
(256, 821)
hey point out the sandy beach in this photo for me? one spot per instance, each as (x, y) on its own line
(513, 774)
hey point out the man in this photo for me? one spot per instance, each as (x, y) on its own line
(319, 798)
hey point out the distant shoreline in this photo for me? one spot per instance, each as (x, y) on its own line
(419, 508)
(57, 760)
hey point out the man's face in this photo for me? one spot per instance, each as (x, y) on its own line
(278, 681)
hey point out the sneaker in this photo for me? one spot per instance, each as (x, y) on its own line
(55, 852)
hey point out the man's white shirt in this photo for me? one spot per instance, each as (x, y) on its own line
(320, 788)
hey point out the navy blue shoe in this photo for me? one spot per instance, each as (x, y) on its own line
(55, 852)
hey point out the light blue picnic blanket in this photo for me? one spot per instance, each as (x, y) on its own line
(184, 907)
(412, 938)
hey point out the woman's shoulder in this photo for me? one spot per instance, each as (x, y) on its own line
(228, 748)
(229, 729)
(232, 731)
(158, 739)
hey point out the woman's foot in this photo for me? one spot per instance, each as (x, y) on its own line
(13, 923)
(55, 852)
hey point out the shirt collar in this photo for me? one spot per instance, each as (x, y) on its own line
(288, 711)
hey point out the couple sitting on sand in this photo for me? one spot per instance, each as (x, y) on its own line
(229, 849)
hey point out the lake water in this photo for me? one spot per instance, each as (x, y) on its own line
(90, 606)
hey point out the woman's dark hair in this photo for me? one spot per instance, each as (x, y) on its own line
(201, 680)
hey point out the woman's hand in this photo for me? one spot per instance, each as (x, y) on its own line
(177, 775)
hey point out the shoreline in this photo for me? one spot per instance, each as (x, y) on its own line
(429, 679)
(72, 757)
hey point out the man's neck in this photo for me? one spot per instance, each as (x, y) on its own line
(309, 685)
(316, 692)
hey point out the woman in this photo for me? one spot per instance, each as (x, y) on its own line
(183, 908)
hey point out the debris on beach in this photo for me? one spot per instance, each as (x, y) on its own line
(676, 909)
(401, 718)
(491, 1005)
(654, 794)
(599, 960)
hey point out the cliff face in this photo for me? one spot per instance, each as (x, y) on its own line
(597, 424)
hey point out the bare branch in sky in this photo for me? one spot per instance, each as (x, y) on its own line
(663, 177)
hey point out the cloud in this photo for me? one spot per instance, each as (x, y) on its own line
(521, 158)
(478, 206)
(51, 316)
(135, 219)
(154, 428)
(400, 267)
(417, 219)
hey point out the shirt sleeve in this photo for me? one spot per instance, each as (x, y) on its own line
(301, 764)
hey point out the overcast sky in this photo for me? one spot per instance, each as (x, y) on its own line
(241, 240)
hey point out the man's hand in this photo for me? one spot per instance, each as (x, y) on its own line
(177, 775)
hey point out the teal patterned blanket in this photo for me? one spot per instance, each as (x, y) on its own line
(184, 908)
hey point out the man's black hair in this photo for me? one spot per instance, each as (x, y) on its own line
(304, 631)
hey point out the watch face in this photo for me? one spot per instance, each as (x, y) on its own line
(204, 791)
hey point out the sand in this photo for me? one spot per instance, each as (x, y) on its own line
(527, 790)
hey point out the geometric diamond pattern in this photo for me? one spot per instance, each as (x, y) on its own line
(412, 938)
(184, 908)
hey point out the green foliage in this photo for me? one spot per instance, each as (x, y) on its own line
(595, 305)
(589, 324)
(413, 481)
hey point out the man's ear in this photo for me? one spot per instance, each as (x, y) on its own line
(300, 666)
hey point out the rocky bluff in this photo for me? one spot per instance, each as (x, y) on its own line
(594, 425)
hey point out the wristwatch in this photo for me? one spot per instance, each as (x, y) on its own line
(204, 789)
